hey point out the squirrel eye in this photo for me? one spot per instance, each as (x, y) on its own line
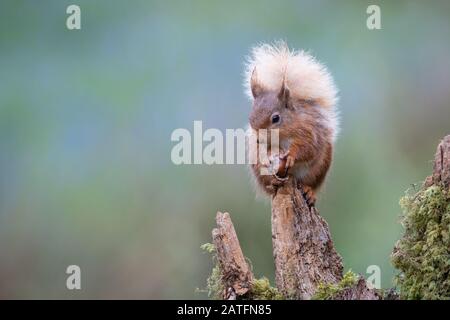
(275, 118)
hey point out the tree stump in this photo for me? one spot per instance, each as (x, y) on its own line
(236, 274)
(303, 251)
(441, 168)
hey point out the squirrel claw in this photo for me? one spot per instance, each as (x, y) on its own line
(290, 162)
(309, 195)
(284, 155)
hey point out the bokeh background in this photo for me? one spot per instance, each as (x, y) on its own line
(86, 118)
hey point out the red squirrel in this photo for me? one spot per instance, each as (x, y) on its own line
(294, 93)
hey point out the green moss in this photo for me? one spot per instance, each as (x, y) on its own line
(214, 285)
(422, 255)
(260, 290)
(327, 291)
(208, 247)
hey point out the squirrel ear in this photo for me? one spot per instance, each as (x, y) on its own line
(284, 93)
(256, 87)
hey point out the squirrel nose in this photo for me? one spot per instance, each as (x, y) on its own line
(256, 123)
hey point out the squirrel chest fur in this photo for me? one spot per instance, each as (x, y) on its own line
(295, 95)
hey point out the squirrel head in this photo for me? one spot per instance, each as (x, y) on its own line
(270, 108)
(290, 90)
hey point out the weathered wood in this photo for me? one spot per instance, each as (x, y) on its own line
(236, 273)
(302, 247)
(360, 291)
(303, 251)
(441, 169)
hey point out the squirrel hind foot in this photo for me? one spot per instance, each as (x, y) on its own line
(309, 195)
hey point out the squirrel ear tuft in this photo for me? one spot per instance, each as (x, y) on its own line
(284, 93)
(256, 87)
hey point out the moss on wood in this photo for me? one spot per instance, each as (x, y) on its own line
(328, 291)
(422, 255)
(260, 290)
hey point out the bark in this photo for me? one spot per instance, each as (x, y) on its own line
(303, 251)
(441, 170)
(358, 292)
(236, 273)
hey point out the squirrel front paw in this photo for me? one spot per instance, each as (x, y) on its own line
(289, 161)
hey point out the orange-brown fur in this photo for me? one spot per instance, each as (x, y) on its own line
(303, 131)
(298, 91)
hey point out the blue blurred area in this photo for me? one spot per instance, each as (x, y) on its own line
(86, 118)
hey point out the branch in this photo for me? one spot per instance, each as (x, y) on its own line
(236, 274)
(441, 170)
(302, 247)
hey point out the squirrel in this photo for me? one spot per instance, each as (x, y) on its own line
(292, 92)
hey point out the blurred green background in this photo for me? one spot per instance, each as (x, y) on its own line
(86, 118)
